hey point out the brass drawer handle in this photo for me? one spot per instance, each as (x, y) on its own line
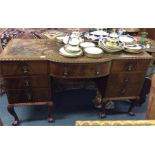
(97, 72)
(29, 97)
(65, 72)
(25, 69)
(126, 79)
(27, 83)
(123, 91)
(131, 66)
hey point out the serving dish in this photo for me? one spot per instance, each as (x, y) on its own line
(95, 35)
(110, 45)
(99, 33)
(134, 48)
(127, 39)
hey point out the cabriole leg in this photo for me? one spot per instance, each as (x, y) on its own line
(13, 113)
(50, 112)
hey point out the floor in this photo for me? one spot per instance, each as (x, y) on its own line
(70, 106)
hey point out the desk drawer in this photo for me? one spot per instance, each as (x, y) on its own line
(24, 68)
(27, 82)
(27, 95)
(0, 69)
(79, 70)
(128, 65)
(124, 85)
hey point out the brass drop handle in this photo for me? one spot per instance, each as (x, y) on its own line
(25, 69)
(126, 80)
(130, 67)
(65, 72)
(123, 91)
(27, 83)
(29, 97)
(97, 72)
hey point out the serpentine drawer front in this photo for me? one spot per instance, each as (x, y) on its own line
(83, 70)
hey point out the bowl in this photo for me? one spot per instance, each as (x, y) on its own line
(133, 48)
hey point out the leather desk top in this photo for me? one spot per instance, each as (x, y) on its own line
(47, 49)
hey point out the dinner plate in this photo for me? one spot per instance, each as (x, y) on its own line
(63, 52)
(126, 39)
(87, 44)
(93, 51)
(99, 33)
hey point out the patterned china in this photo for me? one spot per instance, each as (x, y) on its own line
(134, 48)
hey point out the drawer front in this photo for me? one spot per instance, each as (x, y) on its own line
(79, 70)
(0, 69)
(129, 65)
(27, 82)
(34, 95)
(24, 68)
(124, 85)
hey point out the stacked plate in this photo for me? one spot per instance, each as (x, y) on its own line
(90, 50)
(71, 51)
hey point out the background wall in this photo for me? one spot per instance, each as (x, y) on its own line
(151, 32)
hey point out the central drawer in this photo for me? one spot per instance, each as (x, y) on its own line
(80, 70)
(24, 68)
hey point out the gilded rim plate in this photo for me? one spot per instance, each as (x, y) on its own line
(87, 44)
(93, 52)
(63, 52)
(126, 39)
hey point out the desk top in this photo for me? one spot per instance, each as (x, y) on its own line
(47, 49)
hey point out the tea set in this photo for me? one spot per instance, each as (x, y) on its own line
(94, 44)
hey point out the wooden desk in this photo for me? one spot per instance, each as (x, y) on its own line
(27, 67)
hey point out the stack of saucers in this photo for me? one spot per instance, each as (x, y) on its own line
(72, 49)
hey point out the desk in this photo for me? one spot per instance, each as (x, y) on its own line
(27, 67)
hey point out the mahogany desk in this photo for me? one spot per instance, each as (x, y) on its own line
(27, 67)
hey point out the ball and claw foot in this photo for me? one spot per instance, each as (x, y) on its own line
(102, 115)
(50, 120)
(131, 113)
(15, 122)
